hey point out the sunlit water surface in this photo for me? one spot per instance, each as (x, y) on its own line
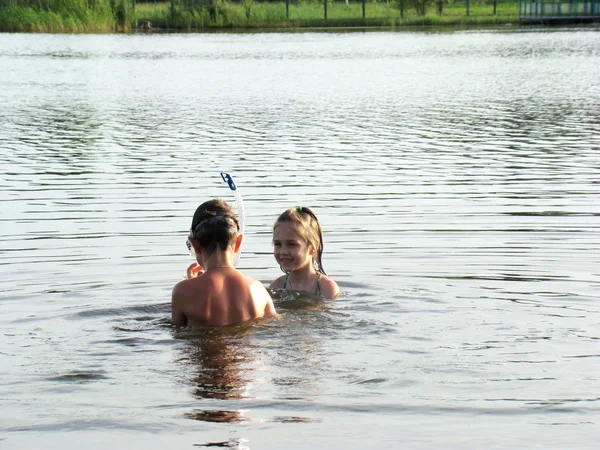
(457, 177)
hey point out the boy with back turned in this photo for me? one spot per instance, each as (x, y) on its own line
(221, 295)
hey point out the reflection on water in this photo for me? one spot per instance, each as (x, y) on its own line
(240, 444)
(226, 363)
(216, 416)
(216, 358)
(456, 177)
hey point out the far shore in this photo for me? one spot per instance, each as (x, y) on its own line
(246, 15)
(74, 16)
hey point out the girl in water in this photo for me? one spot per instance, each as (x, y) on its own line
(298, 248)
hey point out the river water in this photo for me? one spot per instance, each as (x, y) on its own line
(456, 175)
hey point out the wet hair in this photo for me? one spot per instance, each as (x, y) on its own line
(308, 227)
(215, 226)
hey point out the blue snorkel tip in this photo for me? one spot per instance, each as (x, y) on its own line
(229, 180)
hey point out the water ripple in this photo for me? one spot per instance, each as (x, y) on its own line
(456, 178)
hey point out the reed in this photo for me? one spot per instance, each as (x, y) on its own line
(66, 15)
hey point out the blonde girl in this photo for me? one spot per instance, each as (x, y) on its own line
(298, 249)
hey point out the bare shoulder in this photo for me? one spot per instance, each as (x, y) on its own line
(329, 288)
(180, 290)
(180, 296)
(258, 288)
(187, 291)
(262, 299)
(278, 283)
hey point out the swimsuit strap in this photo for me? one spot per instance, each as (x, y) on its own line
(318, 287)
(285, 282)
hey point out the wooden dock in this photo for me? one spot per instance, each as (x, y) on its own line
(543, 12)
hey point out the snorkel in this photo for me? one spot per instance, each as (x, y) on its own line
(241, 213)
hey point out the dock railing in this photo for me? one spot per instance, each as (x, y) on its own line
(557, 10)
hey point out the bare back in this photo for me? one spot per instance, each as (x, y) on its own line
(221, 296)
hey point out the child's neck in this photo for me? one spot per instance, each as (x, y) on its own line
(218, 260)
(302, 279)
(303, 274)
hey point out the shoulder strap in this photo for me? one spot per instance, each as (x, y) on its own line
(285, 282)
(318, 286)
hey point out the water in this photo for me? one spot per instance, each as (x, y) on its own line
(456, 176)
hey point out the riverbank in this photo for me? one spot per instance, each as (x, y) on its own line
(124, 16)
(275, 15)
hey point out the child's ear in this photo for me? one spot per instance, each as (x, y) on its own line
(195, 245)
(238, 243)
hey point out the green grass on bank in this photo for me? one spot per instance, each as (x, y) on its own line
(273, 15)
(115, 15)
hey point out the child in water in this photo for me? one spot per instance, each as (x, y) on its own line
(220, 294)
(298, 248)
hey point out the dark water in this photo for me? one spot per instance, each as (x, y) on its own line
(457, 179)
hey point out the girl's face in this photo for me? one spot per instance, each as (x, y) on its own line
(291, 251)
